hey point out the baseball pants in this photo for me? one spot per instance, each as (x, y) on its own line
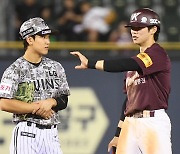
(150, 135)
(32, 140)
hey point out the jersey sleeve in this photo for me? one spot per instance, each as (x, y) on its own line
(9, 83)
(152, 61)
(63, 87)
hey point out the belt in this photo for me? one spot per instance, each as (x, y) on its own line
(142, 114)
(29, 115)
(41, 126)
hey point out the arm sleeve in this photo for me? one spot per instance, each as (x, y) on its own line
(121, 65)
(62, 102)
(122, 117)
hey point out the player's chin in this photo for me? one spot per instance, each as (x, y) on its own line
(136, 42)
(44, 52)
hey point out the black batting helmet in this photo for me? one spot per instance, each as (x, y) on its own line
(143, 18)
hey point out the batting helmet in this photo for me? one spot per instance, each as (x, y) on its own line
(34, 26)
(143, 18)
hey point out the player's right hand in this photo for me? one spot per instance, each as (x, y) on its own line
(83, 59)
(112, 143)
(47, 115)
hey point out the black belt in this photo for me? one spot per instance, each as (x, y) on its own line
(41, 126)
(29, 115)
(142, 114)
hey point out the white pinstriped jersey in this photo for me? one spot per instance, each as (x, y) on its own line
(24, 81)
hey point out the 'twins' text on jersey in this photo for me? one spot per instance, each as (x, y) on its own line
(27, 82)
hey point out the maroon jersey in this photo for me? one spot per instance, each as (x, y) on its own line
(149, 90)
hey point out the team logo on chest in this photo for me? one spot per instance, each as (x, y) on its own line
(50, 82)
(133, 78)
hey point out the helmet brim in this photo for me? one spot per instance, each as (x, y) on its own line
(134, 24)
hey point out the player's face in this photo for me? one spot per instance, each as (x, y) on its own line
(141, 35)
(41, 44)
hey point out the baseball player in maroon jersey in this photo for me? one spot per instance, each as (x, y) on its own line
(34, 88)
(146, 128)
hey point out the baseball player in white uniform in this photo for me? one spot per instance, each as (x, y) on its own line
(34, 88)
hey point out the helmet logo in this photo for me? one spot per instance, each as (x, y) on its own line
(46, 32)
(154, 21)
(28, 31)
(144, 20)
(134, 16)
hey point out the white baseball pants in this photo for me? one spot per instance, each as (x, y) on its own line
(32, 140)
(151, 135)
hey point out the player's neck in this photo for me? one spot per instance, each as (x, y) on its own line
(146, 45)
(32, 56)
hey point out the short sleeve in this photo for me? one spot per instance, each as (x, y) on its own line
(153, 60)
(9, 83)
(63, 87)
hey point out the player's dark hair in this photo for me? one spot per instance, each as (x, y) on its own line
(26, 44)
(156, 35)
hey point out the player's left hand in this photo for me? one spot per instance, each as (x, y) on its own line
(113, 143)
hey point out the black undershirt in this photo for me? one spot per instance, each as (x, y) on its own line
(35, 64)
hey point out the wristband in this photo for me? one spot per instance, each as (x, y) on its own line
(118, 130)
(91, 64)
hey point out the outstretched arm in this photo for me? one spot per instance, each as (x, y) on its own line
(114, 65)
(85, 63)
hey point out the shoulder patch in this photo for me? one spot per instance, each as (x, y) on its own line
(5, 88)
(145, 59)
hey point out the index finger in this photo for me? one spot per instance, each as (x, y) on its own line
(75, 53)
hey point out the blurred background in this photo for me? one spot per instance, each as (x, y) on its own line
(96, 28)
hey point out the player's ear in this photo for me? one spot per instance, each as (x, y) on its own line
(30, 40)
(153, 30)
